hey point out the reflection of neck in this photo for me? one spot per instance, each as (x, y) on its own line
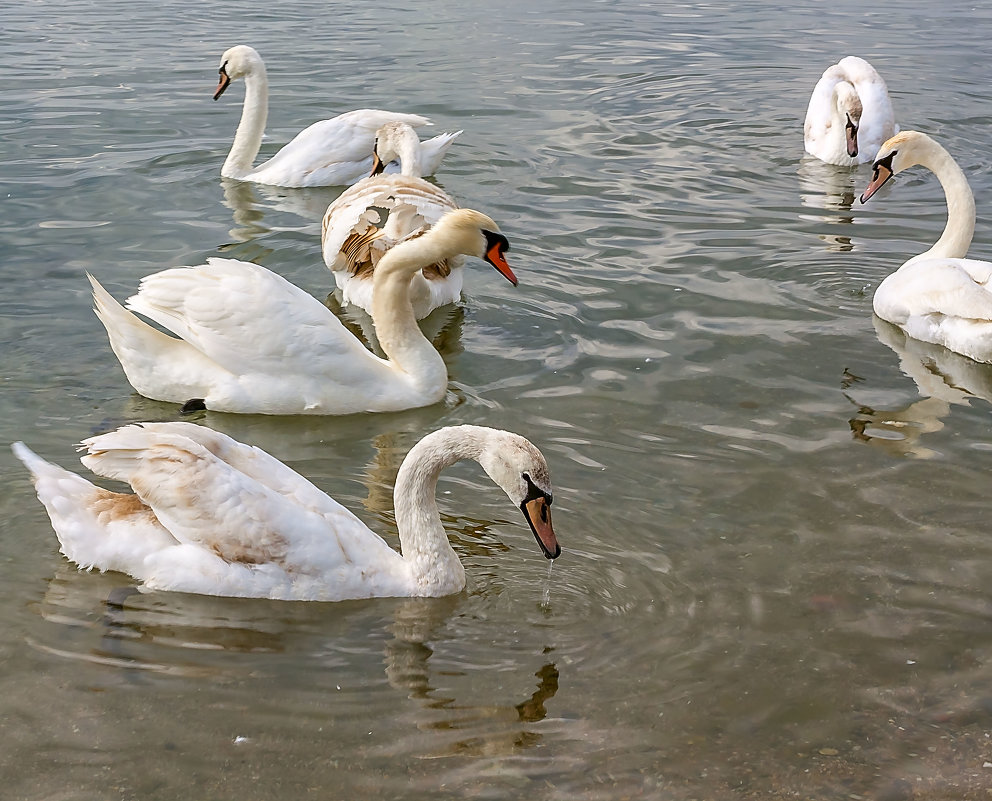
(248, 138)
(392, 313)
(956, 238)
(423, 541)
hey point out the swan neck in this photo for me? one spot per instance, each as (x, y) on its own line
(410, 165)
(435, 567)
(248, 138)
(956, 238)
(393, 316)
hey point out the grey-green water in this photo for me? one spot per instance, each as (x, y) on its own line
(777, 568)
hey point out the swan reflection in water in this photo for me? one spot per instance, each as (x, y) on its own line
(830, 192)
(251, 203)
(310, 648)
(943, 377)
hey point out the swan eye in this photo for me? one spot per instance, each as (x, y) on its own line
(884, 163)
(534, 492)
(496, 240)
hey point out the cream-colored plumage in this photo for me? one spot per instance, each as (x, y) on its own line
(212, 515)
(938, 296)
(849, 114)
(331, 152)
(252, 342)
(381, 210)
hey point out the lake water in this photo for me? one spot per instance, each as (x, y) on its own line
(777, 569)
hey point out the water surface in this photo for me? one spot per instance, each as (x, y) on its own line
(776, 575)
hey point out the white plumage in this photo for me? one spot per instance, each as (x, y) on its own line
(330, 152)
(373, 215)
(251, 342)
(212, 515)
(939, 296)
(849, 114)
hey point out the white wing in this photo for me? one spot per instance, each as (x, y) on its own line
(330, 152)
(247, 319)
(206, 501)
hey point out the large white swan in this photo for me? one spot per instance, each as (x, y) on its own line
(212, 515)
(849, 114)
(381, 210)
(938, 296)
(253, 342)
(331, 152)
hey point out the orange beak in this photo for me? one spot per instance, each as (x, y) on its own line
(851, 133)
(378, 166)
(882, 174)
(222, 83)
(538, 514)
(496, 258)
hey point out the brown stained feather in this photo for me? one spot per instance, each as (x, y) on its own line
(362, 252)
(271, 546)
(109, 507)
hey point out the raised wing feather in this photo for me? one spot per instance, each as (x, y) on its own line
(266, 514)
(247, 319)
(346, 216)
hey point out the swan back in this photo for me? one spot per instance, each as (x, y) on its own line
(849, 114)
(211, 515)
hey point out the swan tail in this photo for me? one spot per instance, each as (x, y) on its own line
(432, 151)
(134, 342)
(96, 528)
(157, 365)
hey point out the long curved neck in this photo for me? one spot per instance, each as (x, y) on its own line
(409, 156)
(434, 565)
(392, 314)
(956, 238)
(822, 103)
(248, 138)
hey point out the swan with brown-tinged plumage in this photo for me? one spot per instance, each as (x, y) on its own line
(354, 235)
(849, 114)
(214, 516)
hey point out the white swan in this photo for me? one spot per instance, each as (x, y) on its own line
(211, 515)
(331, 152)
(849, 114)
(354, 235)
(938, 296)
(252, 342)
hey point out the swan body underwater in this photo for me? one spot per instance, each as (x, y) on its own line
(849, 114)
(214, 516)
(252, 342)
(331, 152)
(354, 234)
(939, 296)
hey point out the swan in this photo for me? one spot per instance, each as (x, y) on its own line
(214, 516)
(938, 296)
(354, 234)
(849, 114)
(331, 152)
(252, 342)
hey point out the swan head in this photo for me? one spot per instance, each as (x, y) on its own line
(237, 62)
(396, 140)
(850, 110)
(520, 470)
(474, 234)
(896, 154)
